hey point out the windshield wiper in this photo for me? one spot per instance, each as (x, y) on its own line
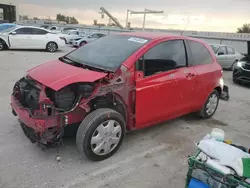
(74, 63)
(66, 60)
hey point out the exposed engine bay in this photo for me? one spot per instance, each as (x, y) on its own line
(45, 113)
(27, 92)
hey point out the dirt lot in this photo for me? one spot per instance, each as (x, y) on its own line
(155, 157)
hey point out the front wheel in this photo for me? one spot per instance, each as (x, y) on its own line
(51, 47)
(210, 107)
(100, 134)
(2, 45)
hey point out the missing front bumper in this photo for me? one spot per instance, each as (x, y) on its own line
(48, 138)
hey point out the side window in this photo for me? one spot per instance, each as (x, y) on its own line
(200, 54)
(74, 33)
(95, 36)
(39, 31)
(222, 50)
(230, 50)
(163, 57)
(24, 31)
(53, 28)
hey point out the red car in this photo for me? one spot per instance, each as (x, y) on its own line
(118, 83)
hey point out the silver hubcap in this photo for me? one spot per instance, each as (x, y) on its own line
(106, 137)
(212, 104)
(52, 47)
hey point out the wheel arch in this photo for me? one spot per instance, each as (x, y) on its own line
(110, 100)
(5, 42)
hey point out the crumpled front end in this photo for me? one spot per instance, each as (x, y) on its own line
(38, 122)
(43, 113)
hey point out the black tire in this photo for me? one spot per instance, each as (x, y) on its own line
(236, 81)
(51, 47)
(88, 127)
(83, 43)
(2, 45)
(232, 67)
(203, 112)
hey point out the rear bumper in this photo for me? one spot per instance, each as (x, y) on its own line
(225, 93)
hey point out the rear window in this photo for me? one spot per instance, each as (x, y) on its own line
(109, 52)
(200, 54)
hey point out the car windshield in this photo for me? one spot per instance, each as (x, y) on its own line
(107, 53)
(215, 48)
(8, 29)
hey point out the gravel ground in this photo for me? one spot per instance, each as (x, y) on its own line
(154, 157)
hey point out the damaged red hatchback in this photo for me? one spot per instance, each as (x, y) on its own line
(120, 82)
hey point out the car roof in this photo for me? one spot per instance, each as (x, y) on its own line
(157, 35)
(220, 45)
(24, 26)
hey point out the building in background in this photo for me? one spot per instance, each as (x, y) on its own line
(9, 11)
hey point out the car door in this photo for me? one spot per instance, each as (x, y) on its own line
(163, 87)
(39, 38)
(20, 38)
(222, 56)
(202, 62)
(231, 56)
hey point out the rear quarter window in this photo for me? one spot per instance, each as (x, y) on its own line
(200, 54)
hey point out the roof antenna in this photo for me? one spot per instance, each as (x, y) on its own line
(188, 21)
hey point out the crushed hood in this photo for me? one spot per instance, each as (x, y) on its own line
(56, 74)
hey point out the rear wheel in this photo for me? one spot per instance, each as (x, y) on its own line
(210, 107)
(100, 134)
(51, 47)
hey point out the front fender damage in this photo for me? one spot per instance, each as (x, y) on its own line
(59, 109)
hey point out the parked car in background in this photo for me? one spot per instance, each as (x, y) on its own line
(61, 29)
(29, 37)
(6, 26)
(118, 83)
(241, 71)
(45, 26)
(226, 55)
(87, 39)
(71, 35)
(71, 41)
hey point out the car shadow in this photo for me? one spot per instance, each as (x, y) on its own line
(169, 132)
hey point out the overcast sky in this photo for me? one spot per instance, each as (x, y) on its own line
(211, 15)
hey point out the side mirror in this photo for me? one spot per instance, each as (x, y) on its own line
(220, 53)
(13, 33)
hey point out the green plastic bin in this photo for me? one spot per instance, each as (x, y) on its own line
(217, 177)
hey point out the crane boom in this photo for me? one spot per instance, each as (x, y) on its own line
(111, 17)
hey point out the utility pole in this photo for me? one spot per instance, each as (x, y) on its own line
(145, 12)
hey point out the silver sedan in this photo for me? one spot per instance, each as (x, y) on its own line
(226, 55)
(87, 39)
